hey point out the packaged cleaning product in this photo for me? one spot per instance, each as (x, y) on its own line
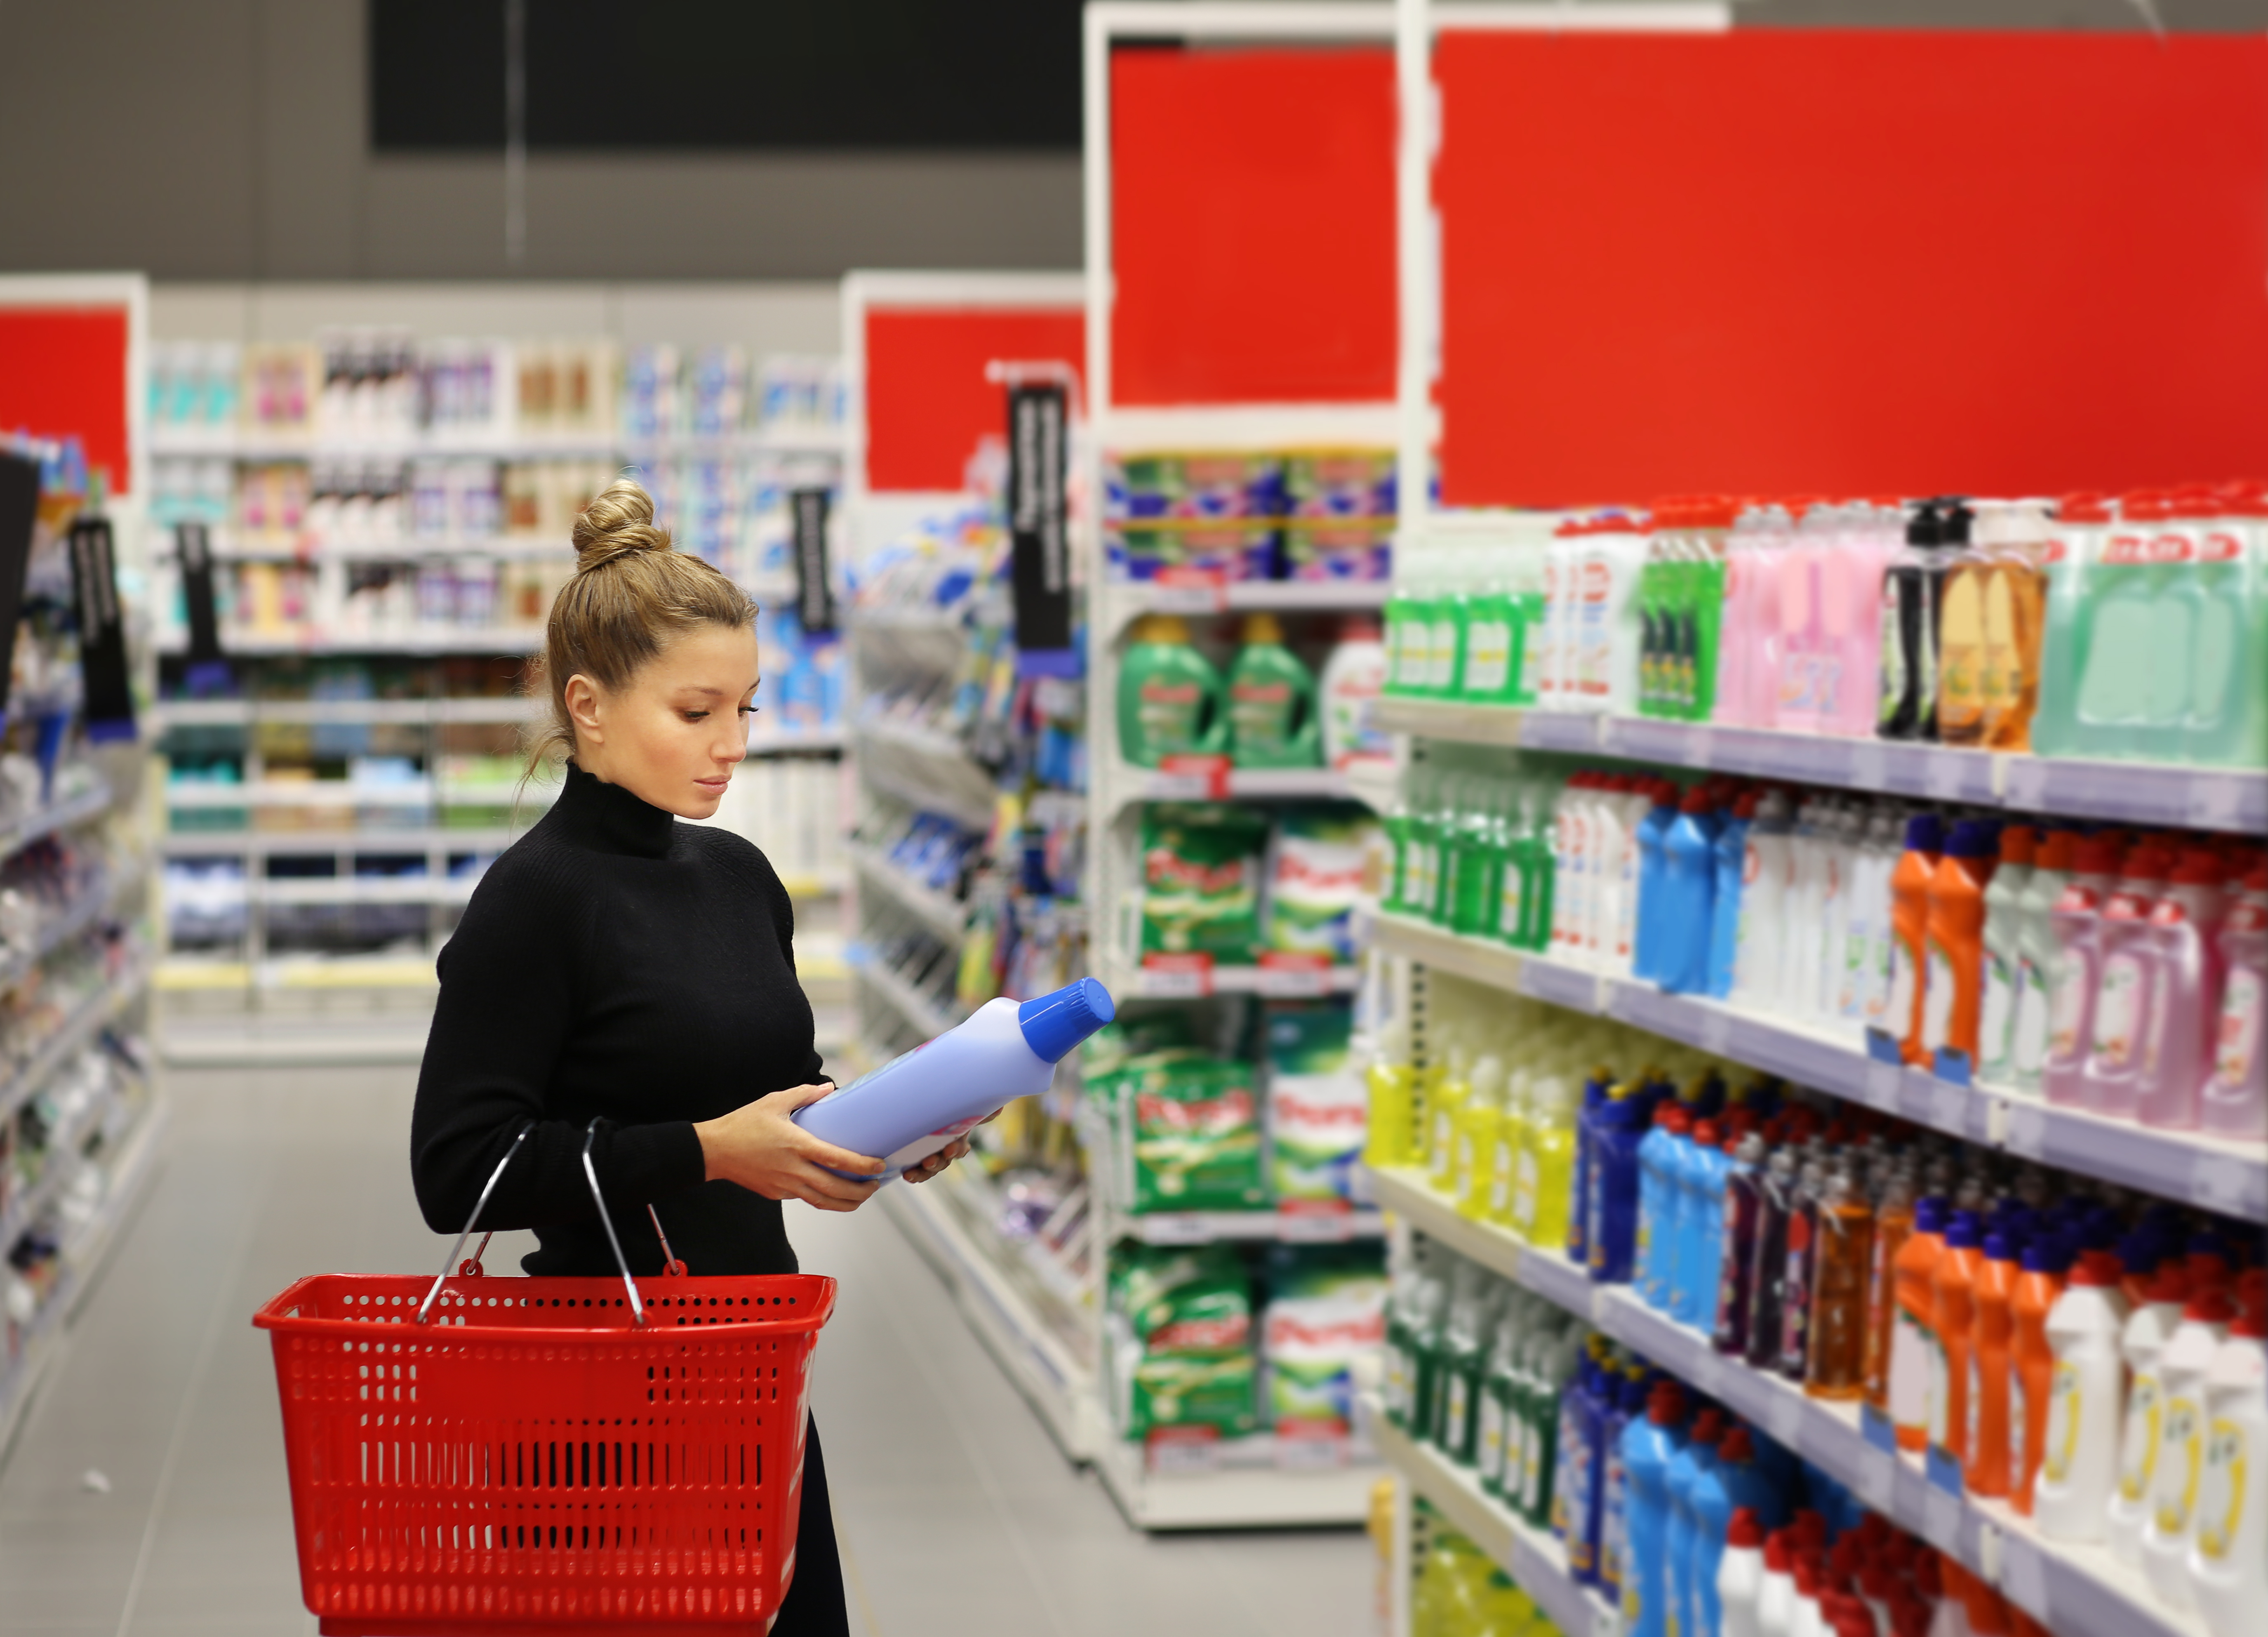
(1325, 1317)
(1171, 699)
(1195, 1134)
(1201, 878)
(1271, 715)
(1181, 1324)
(2228, 1563)
(1315, 880)
(1318, 1106)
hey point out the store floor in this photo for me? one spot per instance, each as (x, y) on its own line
(146, 1493)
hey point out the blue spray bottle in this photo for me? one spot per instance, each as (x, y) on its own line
(1732, 852)
(1649, 1446)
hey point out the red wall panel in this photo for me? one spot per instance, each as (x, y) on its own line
(928, 403)
(1252, 227)
(63, 373)
(1850, 261)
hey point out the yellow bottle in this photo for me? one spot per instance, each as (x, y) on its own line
(1547, 1163)
(1504, 1147)
(1392, 1137)
(1477, 1124)
(1445, 1100)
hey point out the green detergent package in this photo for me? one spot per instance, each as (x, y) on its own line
(1314, 883)
(1318, 1104)
(1181, 1326)
(1201, 866)
(1196, 1131)
(1326, 1316)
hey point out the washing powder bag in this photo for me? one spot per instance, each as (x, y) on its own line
(1201, 880)
(1318, 1107)
(1315, 880)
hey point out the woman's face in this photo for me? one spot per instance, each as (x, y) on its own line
(674, 737)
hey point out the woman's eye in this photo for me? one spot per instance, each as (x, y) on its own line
(694, 715)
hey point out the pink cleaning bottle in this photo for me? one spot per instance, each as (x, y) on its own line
(1850, 625)
(2125, 985)
(2073, 921)
(1796, 707)
(1747, 645)
(2235, 1100)
(2177, 1039)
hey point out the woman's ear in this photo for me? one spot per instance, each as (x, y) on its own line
(583, 710)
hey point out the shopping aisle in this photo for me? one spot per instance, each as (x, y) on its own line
(956, 1513)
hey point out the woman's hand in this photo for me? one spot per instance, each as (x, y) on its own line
(759, 1147)
(922, 1170)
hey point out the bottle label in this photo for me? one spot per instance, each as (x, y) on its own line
(2183, 1457)
(1909, 1378)
(2064, 1409)
(1488, 656)
(1996, 1029)
(1510, 897)
(1937, 1001)
(1899, 1018)
(2117, 1009)
(2019, 1410)
(1939, 1399)
(1492, 1439)
(2066, 1004)
(2227, 1463)
(1502, 1163)
(1523, 1193)
(2027, 1039)
(1453, 1428)
(2138, 1450)
(2236, 1043)
(1442, 673)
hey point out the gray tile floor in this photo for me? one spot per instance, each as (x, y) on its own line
(956, 1513)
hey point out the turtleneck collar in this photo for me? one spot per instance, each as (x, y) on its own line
(607, 818)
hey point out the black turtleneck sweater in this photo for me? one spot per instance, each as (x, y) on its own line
(613, 963)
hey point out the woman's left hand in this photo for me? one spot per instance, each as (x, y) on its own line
(922, 1170)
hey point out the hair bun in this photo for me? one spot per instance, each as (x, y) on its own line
(618, 521)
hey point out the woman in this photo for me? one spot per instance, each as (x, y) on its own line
(615, 964)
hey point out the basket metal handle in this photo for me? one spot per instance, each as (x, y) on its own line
(590, 1174)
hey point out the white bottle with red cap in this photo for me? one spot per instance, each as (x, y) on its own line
(2182, 1367)
(2142, 1345)
(2079, 1458)
(1740, 1574)
(2229, 1559)
(1776, 1587)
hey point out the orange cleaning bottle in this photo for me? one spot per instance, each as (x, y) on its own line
(2031, 1370)
(1910, 929)
(1956, 1279)
(1914, 1323)
(1953, 985)
(1894, 1221)
(1986, 1472)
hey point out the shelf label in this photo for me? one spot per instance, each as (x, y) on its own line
(1945, 773)
(1784, 1419)
(1715, 1026)
(1868, 765)
(1882, 1081)
(2027, 1130)
(2217, 1182)
(2024, 782)
(1310, 1446)
(1285, 974)
(1179, 590)
(1940, 1519)
(1188, 777)
(1184, 1448)
(1878, 1480)
(1176, 1227)
(1948, 1106)
(1709, 1373)
(1166, 976)
(1320, 1226)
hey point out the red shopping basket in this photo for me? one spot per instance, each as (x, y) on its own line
(475, 1456)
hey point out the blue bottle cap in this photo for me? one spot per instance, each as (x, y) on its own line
(2002, 1245)
(1924, 833)
(1054, 1023)
(1975, 838)
(1961, 1234)
(1929, 1214)
(2047, 1254)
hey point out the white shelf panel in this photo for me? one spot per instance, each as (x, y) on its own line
(318, 643)
(1245, 783)
(2141, 793)
(1286, 982)
(2228, 1177)
(947, 916)
(90, 803)
(166, 441)
(1126, 599)
(1291, 1228)
(1535, 1559)
(1234, 1495)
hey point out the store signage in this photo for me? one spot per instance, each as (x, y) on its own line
(20, 509)
(193, 548)
(101, 631)
(814, 597)
(1039, 426)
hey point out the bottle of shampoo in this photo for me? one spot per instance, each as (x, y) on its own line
(915, 1105)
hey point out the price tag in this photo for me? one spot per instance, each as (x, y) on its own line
(1315, 1227)
(2216, 800)
(1184, 1448)
(2027, 1130)
(1189, 597)
(2025, 780)
(1699, 744)
(2217, 1182)
(1176, 977)
(1310, 1447)
(1882, 1081)
(1945, 773)
(1293, 976)
(1190, 778)
(1948, 1106)
(1784, 1419)
(1709, 1373)
(1878, 1480)
(1940, 1519)
(1176, 1227)
(1715, 1026)
(1869, 766)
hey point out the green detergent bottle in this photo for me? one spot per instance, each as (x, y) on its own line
(1170, 698)
(1272, 720)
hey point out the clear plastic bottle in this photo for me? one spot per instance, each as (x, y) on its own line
(2233, 1100)
(2074, 924)
(1996, 1030)
(1913, 586)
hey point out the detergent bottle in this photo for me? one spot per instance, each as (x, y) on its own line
(1894, 1223)
(2031, 1373)
(1913, 1332)
(1544, 1185)
(2142, 1344)
(1659, 1203)
(915, 1105)
(1353, 677)
(1740, 1574)
(1704, 1241)
(2003, 964)
(2075, 926)
(1685, 1470)
(1743, 1209)
(1910, 885)
(2183, 1369)
(1650, 1444)
(1913, 587)
(1732, 852)
(1954, 1322)
(1477, 1124)
(2227, 723)
(2234, 1102)
(1169, 695)
(1610, 1231)
(2126, 985)
(1953, 936)
(1688, 875)
(1712, 1500)
(2079, 1460)
(2228, 1565)
(1272, 718)
(1990, 1354)
(1760, 920)
(2036, 957)
(2185, 961)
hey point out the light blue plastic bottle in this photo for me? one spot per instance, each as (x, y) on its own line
(1725, 908)
(1652, 832)
(1630, 1397)
(1713, 1515)
(1698, 1452)
(1689, 874)
(1650, 1444)
(915, 1105)
(1658, 1194)
(1685, 1171)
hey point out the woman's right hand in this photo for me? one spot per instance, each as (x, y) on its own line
(760, 1147)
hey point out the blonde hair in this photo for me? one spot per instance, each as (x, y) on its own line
(631, 596)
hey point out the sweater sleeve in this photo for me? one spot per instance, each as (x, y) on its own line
(508, 994)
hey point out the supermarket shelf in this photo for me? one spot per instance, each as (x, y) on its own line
(211, 843)
(82, 914)
(1151, 982)
(1292, 1227)
(1261, 428)
(415, 713)
(2138, 793)
(1245, 783)
(228, 546)
(90, 803)
(1233, 1494)
(947, 916)
(955, 794)
(1535, 1560)
(1004, 1315)
(229, 442)
(487, 639)
(81, 1259)
(300, 890)
(763, 742)
(2079, 1591)
(1127, 599)
(70, 1037)
(181, 974)
(925, 1015)
(2224, 1175)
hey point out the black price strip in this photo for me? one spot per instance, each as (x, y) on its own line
(1039, 426)
(815, 596)
(101, 632)
(19, 510)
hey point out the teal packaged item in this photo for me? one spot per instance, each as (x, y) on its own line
(1325, 1317)
(1195, 1135)
(1170, 698)
(1318, 1106)
(1272, 717)
(1182, 1328)
(1201, 880)
(1315, 880)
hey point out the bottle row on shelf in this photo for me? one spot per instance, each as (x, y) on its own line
(1310, 515)
(2016, 1325)
(2133, 628)
(2117, 972)
(1275, 703)
(386, 386)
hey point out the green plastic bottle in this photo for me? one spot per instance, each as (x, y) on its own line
(1491, 668)
(1272, 720)
(2080, 523)
(1170, 698)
